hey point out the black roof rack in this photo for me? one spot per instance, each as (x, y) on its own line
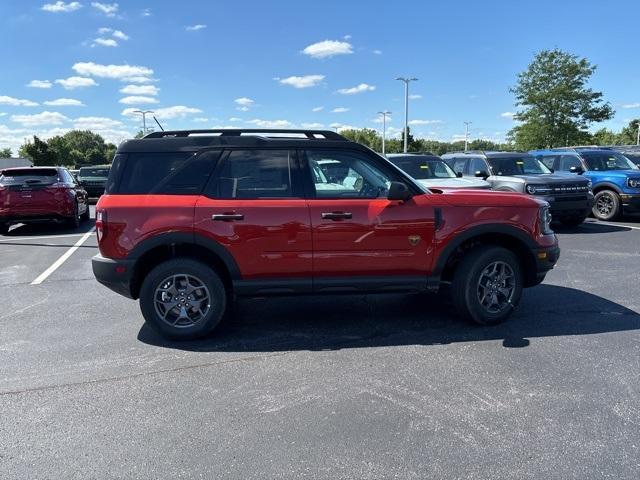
(236, 132)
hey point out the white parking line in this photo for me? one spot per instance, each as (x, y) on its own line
(13, 239)
(613, 225)
(43, 276)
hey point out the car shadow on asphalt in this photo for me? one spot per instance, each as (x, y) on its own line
(46, 229)
(591, 228)
(333, 323)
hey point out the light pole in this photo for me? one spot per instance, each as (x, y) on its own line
(406, 108)
(638, 136)
(144, 119)
(384, 128)
(466, 135)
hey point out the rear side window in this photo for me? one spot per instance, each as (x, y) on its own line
(254, 174)
(174, 173)
(29, 176)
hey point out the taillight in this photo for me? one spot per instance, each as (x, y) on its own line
(101, 224)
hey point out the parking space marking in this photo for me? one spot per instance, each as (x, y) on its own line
(13, 239)
(43, 276)
(613, 225)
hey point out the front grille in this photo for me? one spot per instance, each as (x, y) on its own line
(571, 198)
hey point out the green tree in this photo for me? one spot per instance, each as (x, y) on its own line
(140, 134)
(91, 147)
(39, 152)
(365, 136)
(5, 152)
(605, 137)
(629, 134)
(557, 104)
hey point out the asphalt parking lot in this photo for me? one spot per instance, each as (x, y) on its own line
(342, 387)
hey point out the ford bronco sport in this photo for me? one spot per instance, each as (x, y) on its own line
(192, 219)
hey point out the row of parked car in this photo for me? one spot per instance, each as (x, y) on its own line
(575, 182)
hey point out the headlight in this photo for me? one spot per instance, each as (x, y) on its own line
(531, 189)
(589, 185)
(538, 189)
(545, 221)
(634, 182)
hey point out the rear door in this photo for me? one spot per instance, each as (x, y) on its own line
(255, 208)
(360, 237)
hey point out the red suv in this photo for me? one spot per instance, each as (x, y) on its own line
(40, 193)
(192, 219)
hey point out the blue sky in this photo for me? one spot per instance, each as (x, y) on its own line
(203, 64)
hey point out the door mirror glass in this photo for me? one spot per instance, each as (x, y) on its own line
(576, 169)
(398, 191)
(459, 174)
(481, 173)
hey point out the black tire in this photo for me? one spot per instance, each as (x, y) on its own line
(465, 287)
(86, 216)
(184, 327)
(572, 221)
(606, 205)
(4, 228)
(74, 222)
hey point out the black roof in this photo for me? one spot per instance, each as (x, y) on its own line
(193, 140)
(487, 154)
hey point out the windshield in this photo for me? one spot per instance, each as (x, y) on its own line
(422, 167)
(45, 176)
(94, 172)
(524, 165)
(607, 161)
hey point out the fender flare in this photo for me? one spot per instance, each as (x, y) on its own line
(606, 185)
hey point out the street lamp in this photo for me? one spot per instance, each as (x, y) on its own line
(466, 135)
(384, 128)
(144, 119)
(406, 108)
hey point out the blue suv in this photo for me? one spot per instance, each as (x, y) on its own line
(615, 179)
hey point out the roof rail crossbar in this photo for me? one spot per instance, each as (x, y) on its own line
(236, 132)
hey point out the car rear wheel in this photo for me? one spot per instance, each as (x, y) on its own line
(74, 222)
(487, 285)
(183, 299)
(606, 205)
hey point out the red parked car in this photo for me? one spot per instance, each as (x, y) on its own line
(35, 194)
(192, 219)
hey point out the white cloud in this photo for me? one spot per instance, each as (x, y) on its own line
(340, 126)
(235, 119)
(317, 109)
(38, 119)
(270, 123)
(64, 102)
(200, 120)
(96, 123)
(347, 37)
(631, 105)
(146, 12)
(39, 84)
(195, 28)
(377, 52)
(304, 81)
(363, 87)
(76, 82)
(415, 96)
(379, 119)
(139, 80)
(328, 48)
(244, 101)
(340, 110)
(109, 9)
(16, 102)
(424, 122)
(138, 100)
(120, 72)
(167, 113)
(105, 30)
(507, 114)
(313, 125)
(140, 90)
(120, 35)
(61, 7)
(105, 42)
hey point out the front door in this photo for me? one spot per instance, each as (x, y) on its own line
(359, 236)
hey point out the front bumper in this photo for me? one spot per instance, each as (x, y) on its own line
(546, 258)
(116, 275)
(630, 202)
(569, 205)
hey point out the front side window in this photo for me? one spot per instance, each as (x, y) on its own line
(477, 165)
(423, 167)
(508, 166)
(568, 161)
(338, 174)
(176, 173)
(607, 161)
(458, 164)
(254, 174)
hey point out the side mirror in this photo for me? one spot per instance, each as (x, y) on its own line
(552, 170)
(482, 173)
(459, 174)
(577, 170)
(398, 191)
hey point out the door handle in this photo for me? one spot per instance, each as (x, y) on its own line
(336, 216)
(227, 217)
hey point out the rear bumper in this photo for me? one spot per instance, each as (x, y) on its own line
(116, 275)
(630, 202)
(34, 218)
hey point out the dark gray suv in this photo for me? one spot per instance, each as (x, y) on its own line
(569, 196)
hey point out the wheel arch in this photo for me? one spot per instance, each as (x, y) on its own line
(606, 186)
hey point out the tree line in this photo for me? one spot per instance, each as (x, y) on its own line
(76, 148)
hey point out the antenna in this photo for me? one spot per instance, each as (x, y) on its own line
(154, 117)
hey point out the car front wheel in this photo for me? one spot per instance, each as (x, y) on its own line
(487, 285)
(183, 299)
(606, 205)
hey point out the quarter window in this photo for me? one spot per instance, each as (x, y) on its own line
(568, 161)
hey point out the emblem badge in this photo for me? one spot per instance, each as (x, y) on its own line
(414, 240)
